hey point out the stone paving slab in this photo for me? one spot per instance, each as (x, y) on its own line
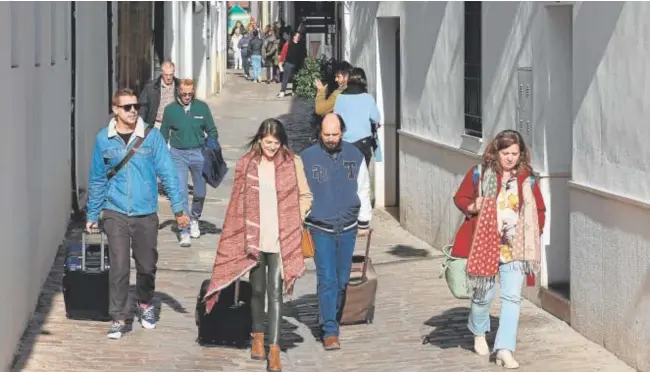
(413, 304)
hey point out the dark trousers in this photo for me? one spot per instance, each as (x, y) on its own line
(271, 71)
(124, 234)
(287, 76)
(267, 285)
(246, 64)
(365, 145)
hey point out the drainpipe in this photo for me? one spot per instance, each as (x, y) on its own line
(174, 50)
(347, 28)
(186, 43)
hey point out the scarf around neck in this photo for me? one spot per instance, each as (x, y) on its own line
(238, 251)
(483, 260)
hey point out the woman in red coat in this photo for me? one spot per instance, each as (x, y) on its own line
(505, 215)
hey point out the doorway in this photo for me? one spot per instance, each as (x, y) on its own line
(557, 78)
(389, 100)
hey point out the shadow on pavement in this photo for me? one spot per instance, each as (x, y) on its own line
(299, 122)
(207, 228)
(406, 251)
(305, 310)
(450, 330)
(159, 299)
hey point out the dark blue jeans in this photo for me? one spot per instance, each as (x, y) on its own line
(287, 76)
(190, 160)
(333, 258)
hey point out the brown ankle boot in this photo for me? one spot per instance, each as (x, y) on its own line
(257, 347)
(331, 343)
(275, 365)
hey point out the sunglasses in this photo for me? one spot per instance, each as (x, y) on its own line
(130, 106)
(186, 94)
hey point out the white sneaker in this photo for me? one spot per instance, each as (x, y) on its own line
(116, 331)
(506, 360)
(147, 317)
(281, 94)
(480, 346)
(195, 232)
(185, 240)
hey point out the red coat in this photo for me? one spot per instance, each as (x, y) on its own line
(465, 196)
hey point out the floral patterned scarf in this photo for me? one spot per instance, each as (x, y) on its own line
(483, 261)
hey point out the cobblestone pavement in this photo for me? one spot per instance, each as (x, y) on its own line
(413, 303)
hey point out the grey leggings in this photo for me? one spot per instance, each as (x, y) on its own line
(270, 285)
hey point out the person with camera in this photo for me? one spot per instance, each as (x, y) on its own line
(359, 110)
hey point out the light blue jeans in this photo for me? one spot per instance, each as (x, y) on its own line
(190, 160)
(512, 277)
(256, 61)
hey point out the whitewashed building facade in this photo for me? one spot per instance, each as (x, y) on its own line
(573, 78)
(195, 40)
(44, 132)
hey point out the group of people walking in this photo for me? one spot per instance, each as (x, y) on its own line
(278, 47)
(277, 193)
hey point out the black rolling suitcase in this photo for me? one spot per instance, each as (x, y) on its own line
(85, 281)
(229, 323)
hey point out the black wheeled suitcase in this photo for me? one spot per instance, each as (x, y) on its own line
(361, 292)
(85, 280)
(229, 323)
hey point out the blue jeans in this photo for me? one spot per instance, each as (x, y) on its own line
(512, 279)
(190, 160)
(333, 258)
(256, 61)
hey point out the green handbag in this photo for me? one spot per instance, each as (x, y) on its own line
(455, 271)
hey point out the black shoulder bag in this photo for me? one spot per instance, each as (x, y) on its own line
(113, 171)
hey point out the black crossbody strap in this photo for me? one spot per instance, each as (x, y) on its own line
(113, 171)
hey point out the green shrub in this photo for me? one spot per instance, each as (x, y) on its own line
(304, 80)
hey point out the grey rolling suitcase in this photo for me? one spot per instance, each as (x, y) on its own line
(359, 303)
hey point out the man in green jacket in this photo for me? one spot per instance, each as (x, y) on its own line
(188, 126)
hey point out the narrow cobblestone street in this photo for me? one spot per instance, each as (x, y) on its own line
(412, 302)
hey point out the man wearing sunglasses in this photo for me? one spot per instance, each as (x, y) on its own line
(122, 188)
(188, 126)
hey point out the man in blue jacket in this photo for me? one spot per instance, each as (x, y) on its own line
(127, 198)
(339, 180)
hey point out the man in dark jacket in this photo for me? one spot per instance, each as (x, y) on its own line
(245, 57)
(255, 52)
(157, 94)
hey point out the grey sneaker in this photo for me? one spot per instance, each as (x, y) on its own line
(147, 317)
(116, 331)
(195, 232)
(185, 240)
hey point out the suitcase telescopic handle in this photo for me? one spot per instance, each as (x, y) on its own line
(83, 248)
(237, 292)
(366, 256)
